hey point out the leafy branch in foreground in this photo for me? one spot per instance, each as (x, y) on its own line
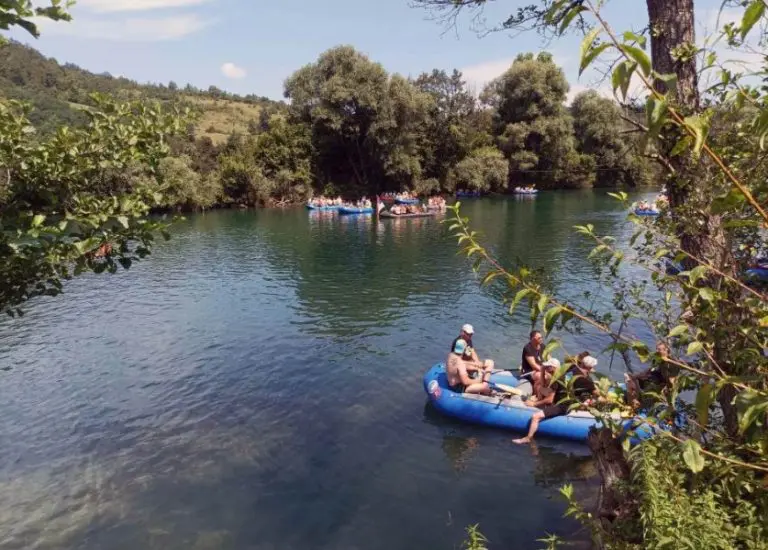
(79, 200)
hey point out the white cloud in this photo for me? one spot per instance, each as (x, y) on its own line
(104, 6)
(127, 30)
(230, 70)
(477, 76)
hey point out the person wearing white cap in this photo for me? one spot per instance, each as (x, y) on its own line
(554, 400)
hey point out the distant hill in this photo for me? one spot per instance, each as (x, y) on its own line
(60, 93)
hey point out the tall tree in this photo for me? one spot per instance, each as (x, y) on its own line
(366, 125)
(450, 135)
(533, 126)
(601, 133)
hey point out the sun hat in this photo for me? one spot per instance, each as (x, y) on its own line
(589, 362)
(459, 347)
(468, 329)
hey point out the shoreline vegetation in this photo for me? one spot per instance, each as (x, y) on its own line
(359, 132)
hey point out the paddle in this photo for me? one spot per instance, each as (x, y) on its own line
(506, 389)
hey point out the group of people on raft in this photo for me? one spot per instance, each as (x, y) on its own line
(468, 374)
(433, 204)
(322, 200)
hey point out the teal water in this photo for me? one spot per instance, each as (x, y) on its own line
(257, 384)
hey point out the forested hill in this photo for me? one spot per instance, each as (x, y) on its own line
(352, 128)
(59, 93)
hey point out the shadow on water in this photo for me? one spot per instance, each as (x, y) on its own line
(257, 384)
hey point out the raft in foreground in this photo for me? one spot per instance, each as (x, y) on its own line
(328, 207)
(511, 413)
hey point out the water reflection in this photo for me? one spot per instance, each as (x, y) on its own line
(257, 384)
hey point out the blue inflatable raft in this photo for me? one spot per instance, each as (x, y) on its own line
(407, 201)
(330, 207)
(758, 273)
(509, 413)
(639, 212)
(354, 210)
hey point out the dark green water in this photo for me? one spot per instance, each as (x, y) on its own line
(257, 384)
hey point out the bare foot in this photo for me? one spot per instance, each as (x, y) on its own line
(522, 440)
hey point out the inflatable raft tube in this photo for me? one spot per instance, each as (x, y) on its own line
(354, 210)
(639, 212)
(511, 413)
(330, 207)
(407, 201)
(386, 214)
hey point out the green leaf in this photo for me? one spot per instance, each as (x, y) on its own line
(697, 273)
(543, 301)
(707, 294)
(751, 15)
(38, 220)
(694, 348)
(669, 80)
(699, 126)
(586, 45)
(638, 56)
(680, 146)
(656, 114)
(549, 348)
(704, 398)
(622, 76)
(678, 330)
(629, 36)
(692, 456)
(550, 317)
(572, 13)
(519, 298)
(123, 220)
(587, 60)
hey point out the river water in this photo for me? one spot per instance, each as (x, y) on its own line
(256, 384)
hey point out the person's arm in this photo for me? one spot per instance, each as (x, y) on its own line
(531, 360)
(548, 400)
(464, 375)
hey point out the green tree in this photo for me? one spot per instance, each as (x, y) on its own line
(702, 484)
(366, 126)
(533, 126)
(449, 135)
(484, 170)
(66, 206)
(601, 134)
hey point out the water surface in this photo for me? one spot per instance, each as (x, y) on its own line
(257, 384)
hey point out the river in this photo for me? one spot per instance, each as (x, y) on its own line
(256, 383)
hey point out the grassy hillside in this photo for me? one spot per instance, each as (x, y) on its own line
(59, 93)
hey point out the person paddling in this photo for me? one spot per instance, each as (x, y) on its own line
(555, 401)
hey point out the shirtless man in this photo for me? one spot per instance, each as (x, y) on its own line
(457, 368)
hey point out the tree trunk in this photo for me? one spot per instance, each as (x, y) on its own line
(614, 473)
(701, 232)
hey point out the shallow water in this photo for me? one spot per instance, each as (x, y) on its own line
(257, 384)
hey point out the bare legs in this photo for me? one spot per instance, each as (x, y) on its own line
(535, 419)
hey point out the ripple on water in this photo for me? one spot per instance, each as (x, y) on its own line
(257, 383)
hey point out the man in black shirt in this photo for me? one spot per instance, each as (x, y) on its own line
(555, 401)
(467, 331)
(531, 364)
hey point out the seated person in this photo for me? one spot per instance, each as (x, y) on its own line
(659, 376)
(457, 370)
(555, 401)
(532, 367)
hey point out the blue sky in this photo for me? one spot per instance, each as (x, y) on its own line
(251, 46)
